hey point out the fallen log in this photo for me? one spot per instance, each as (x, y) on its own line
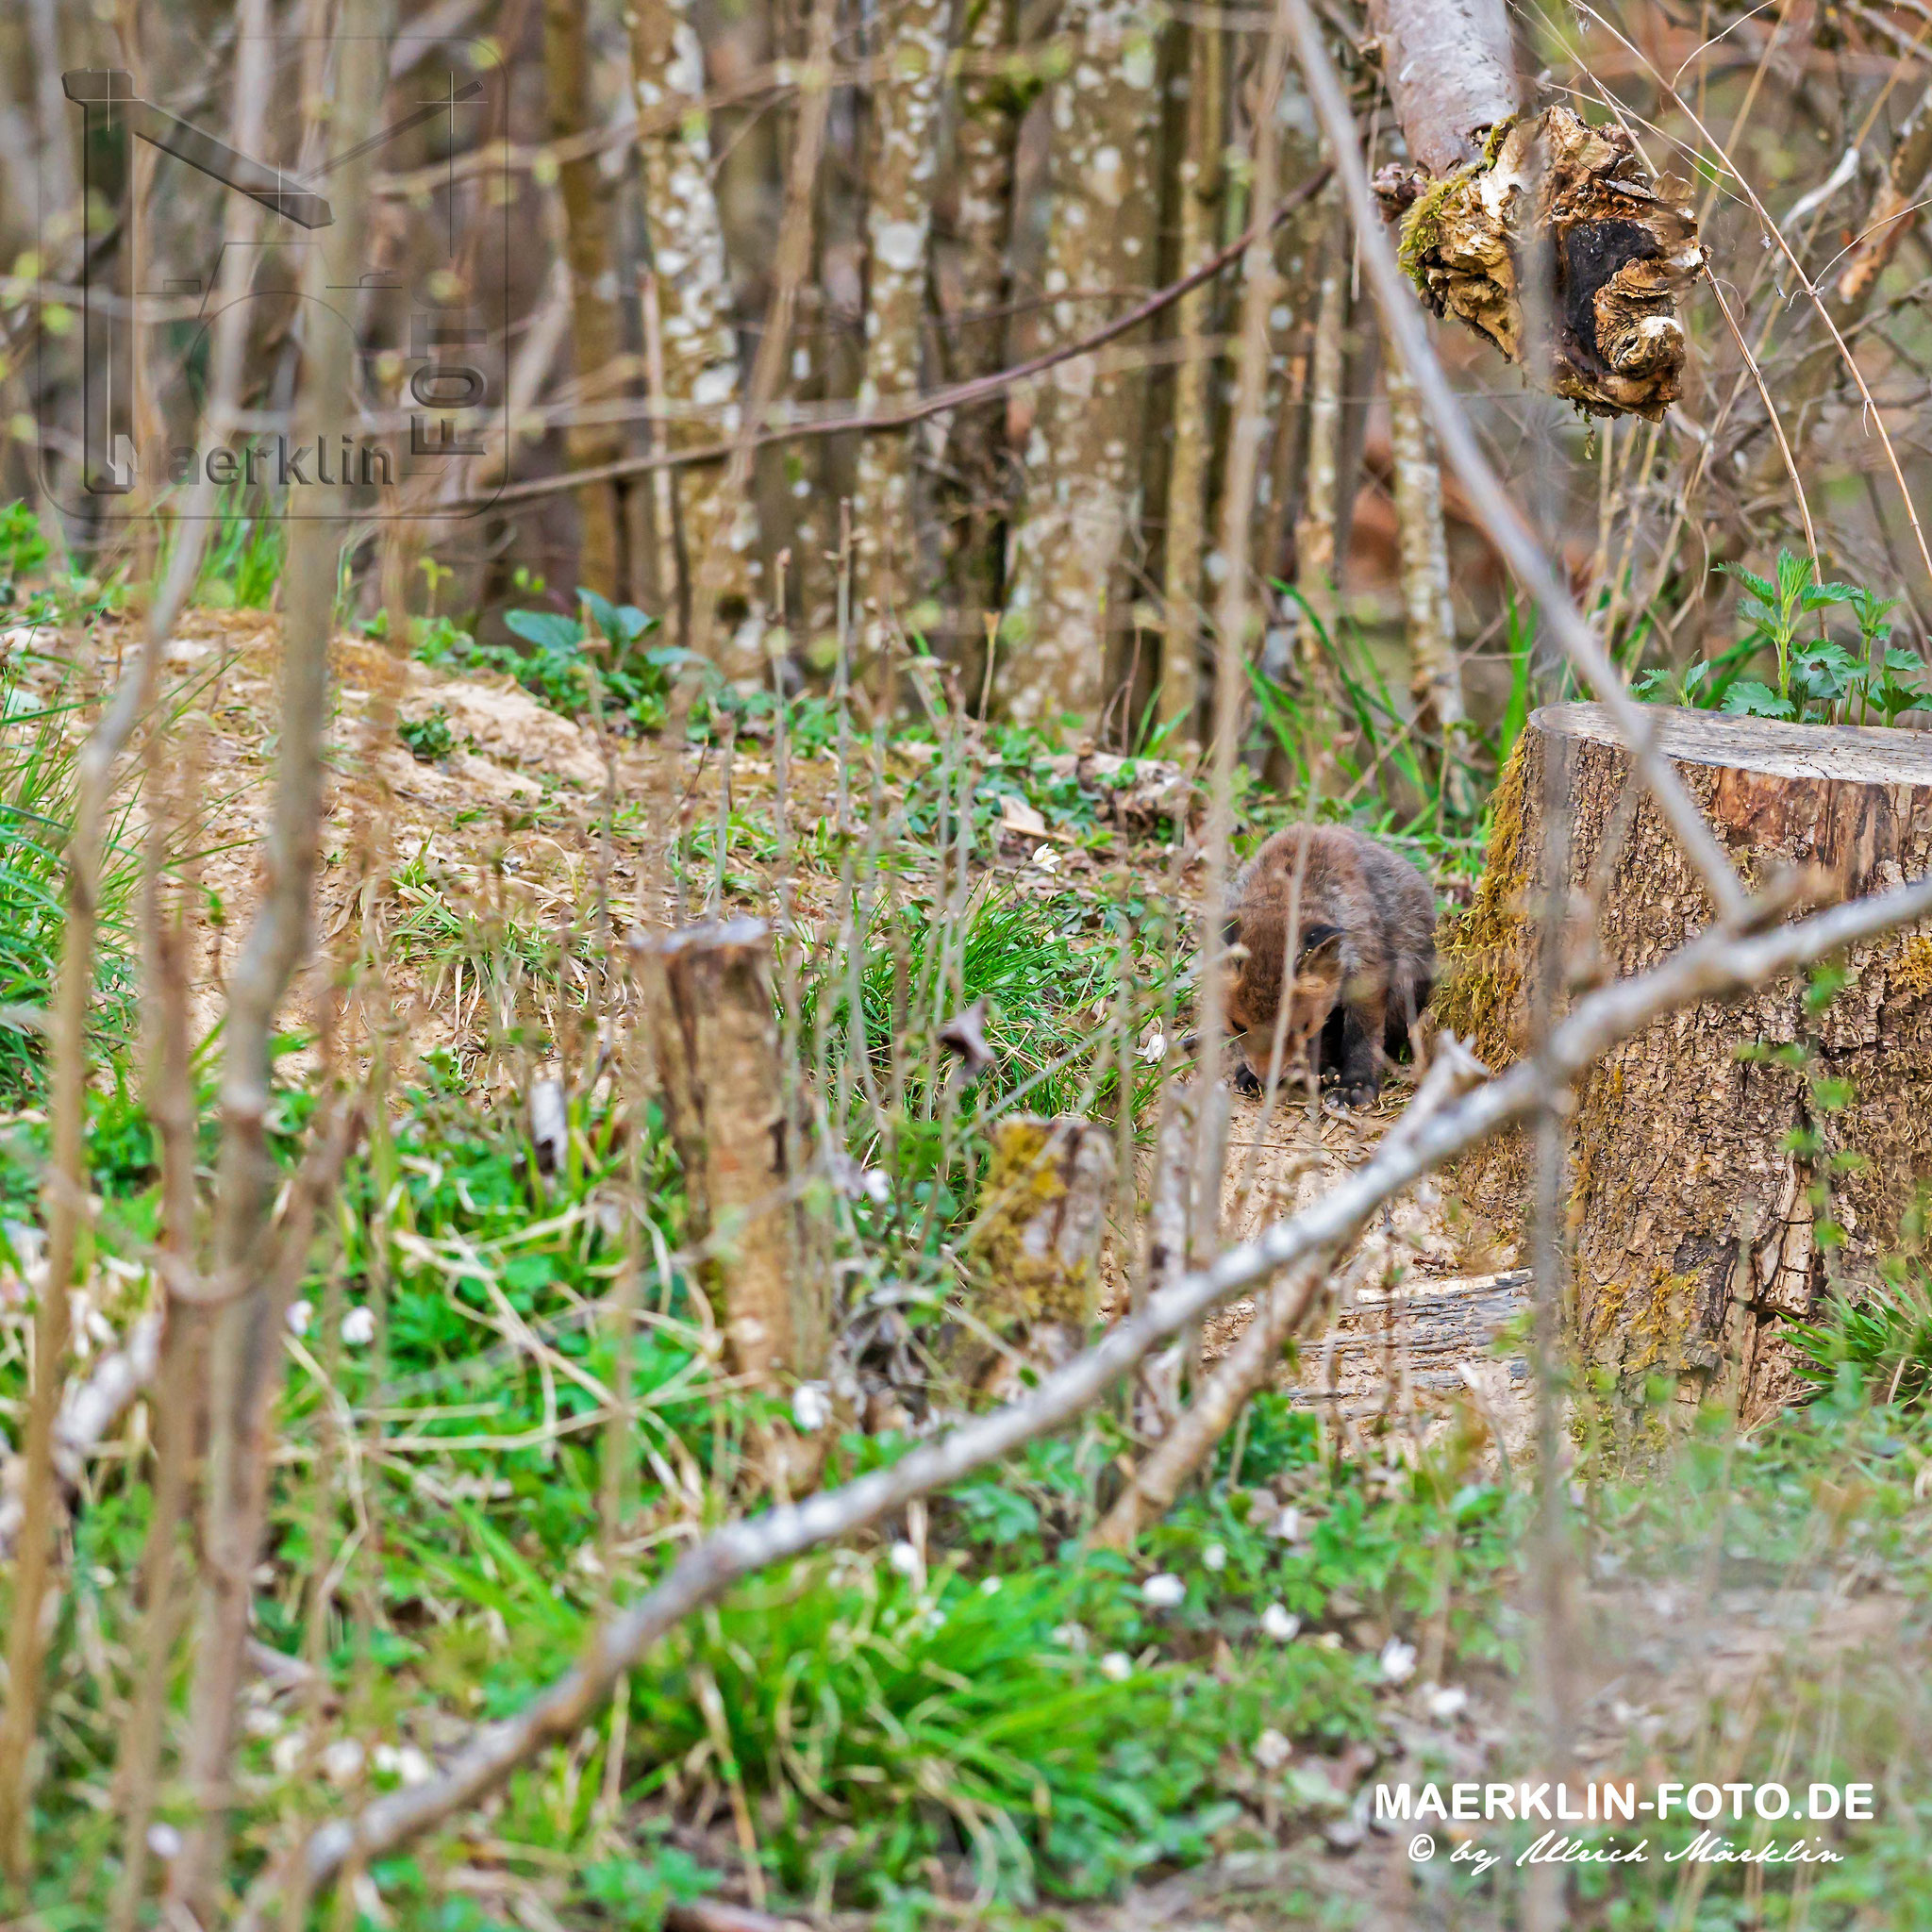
(1734, 1159)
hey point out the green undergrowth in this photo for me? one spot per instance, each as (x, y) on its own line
(973, 1705)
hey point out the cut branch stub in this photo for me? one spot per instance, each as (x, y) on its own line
(1623, 247)
(1709, 1200)
(1036, 1244)
(708, 990)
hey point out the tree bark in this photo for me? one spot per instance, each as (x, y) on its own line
(902, 175)
(691, 283)
(596, 336)
(1434, 676)
(1082, 457)
(708, 990)
(1451, 69)
(1701, 1234)
(972, 266)
(1193, 410)
(1492, 189)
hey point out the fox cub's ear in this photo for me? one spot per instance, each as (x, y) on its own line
(1321, 945)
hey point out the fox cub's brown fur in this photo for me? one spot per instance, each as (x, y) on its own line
(1364, 927)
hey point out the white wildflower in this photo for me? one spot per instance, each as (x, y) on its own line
(1117, 1667)
(1163, 1592)
(1398, 1660)
(1214, 1558)
(341, 1763)
(1447, 1700)
(358, 1328)
(163, 1840)
(1153, 1048)
(1272, 1750)
(1281, 1623)
(905, 1558)
(1046, 859)
(299, 1316)
(812, 1407)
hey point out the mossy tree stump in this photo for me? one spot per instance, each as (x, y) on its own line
(1732, 1161)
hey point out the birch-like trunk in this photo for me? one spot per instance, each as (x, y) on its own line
(903, 174)
(1082, 459)
(1179, 701)
(1434, 676)
(692, 284)
(596, 336)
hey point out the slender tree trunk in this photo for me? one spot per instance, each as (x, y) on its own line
(1082, 458)
(596, 335)
(1435, 675)
(246, 1360)
(1193, 416)
(691, 282)
(974, 266)
(1316, 566)
(904, 174)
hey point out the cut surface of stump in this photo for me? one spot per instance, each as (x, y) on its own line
(1711, 1199)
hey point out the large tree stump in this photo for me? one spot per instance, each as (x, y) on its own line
(707, 991)
(1692, 1170)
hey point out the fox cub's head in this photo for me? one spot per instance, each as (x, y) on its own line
(1261, 977)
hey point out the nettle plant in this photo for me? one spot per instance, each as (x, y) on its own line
(1820, 679)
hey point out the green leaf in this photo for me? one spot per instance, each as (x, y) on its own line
(1794, 576)
(549, 630)
(1750, 579)
(1821, 594)
(1760, 615)
(1747, 698)
(1896, 659)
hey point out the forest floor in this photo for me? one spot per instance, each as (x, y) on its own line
(1755, 1604)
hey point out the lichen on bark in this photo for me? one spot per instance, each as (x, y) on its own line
(1622, 247)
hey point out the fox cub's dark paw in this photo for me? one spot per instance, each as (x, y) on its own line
(1355, 1093)
(1247, 1081)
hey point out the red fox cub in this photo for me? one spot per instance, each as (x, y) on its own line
(1364, 928)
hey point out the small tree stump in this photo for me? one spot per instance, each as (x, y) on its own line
(1694, 1174)
(707, 993)
(1035, 1246)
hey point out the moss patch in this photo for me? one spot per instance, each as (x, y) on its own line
(1480, 950)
